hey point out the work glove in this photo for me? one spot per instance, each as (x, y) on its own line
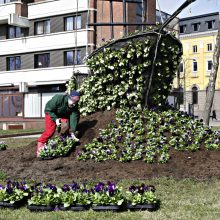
(58, 122)
(74, 137)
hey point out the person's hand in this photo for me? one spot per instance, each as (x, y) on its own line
(58, 122)
(74, 137)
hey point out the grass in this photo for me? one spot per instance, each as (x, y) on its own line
(180, 199)
(18, 142)
(20, 131)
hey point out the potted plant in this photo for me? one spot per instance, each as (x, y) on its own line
(107, 197)
(141, 197)
(44, 198)
(3, 145)
(75, 197)
(14, 194)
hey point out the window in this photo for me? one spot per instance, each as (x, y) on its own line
(42, 27)
(42, 60)
(195, 49)
(209, 47)
(5, 1)
(195, 66)
(73, 23)
(210, 24)
(14, 63)
(11, 105)
(72, 57)
(194, 95)
(209, 65)
(196, 26)
(182, 29)
(14, 32)
(181, 68)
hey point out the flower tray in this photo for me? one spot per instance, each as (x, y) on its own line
(149, 207)
(77, 207)
(15, 205)
(101, 208)
(47, 158)
(40, 208)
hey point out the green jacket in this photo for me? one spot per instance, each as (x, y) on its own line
(57, 107)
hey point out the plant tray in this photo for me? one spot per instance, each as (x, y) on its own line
(47, 158)
(79, 208)
(40, 208)
(15, 205)
(149, 207)
(75, 208)
(101, 208)
(57, 156)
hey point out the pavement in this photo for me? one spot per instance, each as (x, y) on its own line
(214, 123)
(28, 136)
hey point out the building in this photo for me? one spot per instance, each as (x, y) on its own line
(43, 41)
(198, 37)
(173, 26)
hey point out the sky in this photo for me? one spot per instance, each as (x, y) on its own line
(198, 7)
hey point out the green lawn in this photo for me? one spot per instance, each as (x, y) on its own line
(20, 131)
(180, 199)
(18, 142)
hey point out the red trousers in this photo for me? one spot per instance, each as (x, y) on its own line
(50, 128)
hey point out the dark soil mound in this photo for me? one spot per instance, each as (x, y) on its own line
(22, 162)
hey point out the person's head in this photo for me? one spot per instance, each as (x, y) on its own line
(73, 98)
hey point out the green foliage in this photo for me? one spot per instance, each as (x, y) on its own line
(57, 146)
(119, 75)
(148, 135)
(71, 84)
(3, 145)
(141, 194)
(14, 191)
(45, 195)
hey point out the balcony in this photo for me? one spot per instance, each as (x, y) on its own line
(45, 42)
(44, 76)
(55, 7)
(11, 14)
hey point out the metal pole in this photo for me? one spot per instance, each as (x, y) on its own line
(184, 78)
(124, 18)
(111, 19)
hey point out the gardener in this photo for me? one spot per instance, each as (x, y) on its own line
(57, 109)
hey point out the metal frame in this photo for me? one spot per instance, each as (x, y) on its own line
(124, 23)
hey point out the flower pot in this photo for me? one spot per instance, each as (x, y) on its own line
(113, 208)
(79, 207)
(40, 208)
(15, 205)
(139, 207)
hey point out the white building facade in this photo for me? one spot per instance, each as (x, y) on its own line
(39, 50)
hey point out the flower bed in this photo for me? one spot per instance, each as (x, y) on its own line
(59, 146)
(142, 134)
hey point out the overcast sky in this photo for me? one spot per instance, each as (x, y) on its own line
(196, 8)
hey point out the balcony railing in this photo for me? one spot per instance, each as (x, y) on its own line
(14, 7)
(51, 8)
(45, 42)
(44, 76)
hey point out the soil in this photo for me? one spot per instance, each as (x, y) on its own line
(22, 162)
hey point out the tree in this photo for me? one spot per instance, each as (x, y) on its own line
(212, 80)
